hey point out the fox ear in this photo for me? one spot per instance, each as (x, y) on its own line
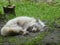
(37, 20)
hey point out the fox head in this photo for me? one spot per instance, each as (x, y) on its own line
(37, 26)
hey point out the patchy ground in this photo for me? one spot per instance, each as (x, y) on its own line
(51, 38)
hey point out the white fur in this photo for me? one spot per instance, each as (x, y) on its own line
(5, 30)
(20, 23)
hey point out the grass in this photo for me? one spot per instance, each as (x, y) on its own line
(58, 22)
(37, 10)
(42, 11)
(37, 40)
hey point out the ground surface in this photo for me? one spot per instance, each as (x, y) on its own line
(52, 37)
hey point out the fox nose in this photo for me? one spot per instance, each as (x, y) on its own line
(44, 27)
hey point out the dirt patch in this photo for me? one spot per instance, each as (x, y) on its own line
(52, 38)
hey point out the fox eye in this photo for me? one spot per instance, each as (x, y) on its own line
(29, 29)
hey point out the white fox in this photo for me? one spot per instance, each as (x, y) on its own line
(22, 25)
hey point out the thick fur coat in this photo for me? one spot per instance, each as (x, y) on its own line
(21, 25)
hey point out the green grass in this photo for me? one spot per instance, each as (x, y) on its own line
(42, 11)
(37, 10)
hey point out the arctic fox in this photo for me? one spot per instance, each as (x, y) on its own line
(22, 25)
